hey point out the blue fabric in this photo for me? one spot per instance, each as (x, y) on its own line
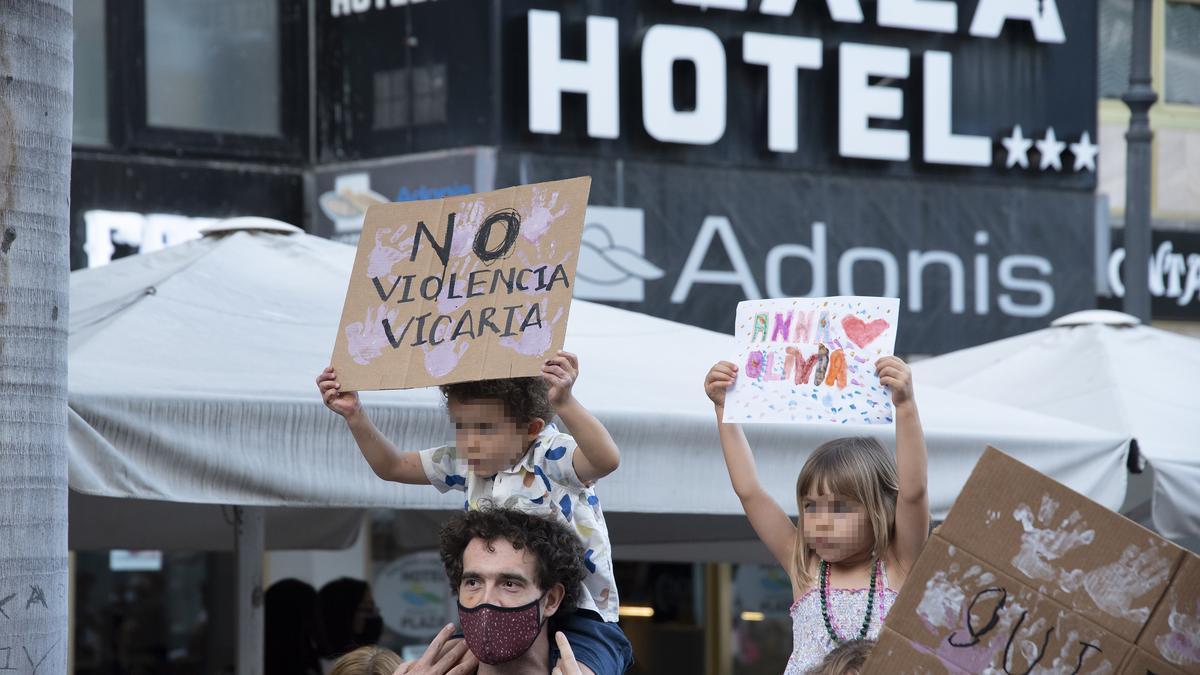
(597, 644)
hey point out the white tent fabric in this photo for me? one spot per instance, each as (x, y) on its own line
(1131, 380)
(191, 380)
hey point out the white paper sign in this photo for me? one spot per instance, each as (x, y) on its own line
(812, 360)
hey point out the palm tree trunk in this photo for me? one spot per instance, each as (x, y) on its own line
(35, 172)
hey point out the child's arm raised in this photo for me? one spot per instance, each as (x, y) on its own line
(386, 460)
(597, 455)
(912, 504)
(767, 518)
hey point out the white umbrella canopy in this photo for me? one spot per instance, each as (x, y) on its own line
(1104, 370)
(192, 380)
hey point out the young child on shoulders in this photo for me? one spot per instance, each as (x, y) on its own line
(507, 453)
(864, 517)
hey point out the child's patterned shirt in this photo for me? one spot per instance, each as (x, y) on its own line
(542, 482)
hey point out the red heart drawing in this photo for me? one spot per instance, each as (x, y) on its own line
(862, 333)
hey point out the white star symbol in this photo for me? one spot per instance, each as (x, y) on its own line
(1018, 149)
(1051, 150)
(1085, 152)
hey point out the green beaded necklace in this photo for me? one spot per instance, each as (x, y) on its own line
(862, 633)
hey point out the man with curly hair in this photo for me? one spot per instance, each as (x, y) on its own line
(513, 574)
(507, 453)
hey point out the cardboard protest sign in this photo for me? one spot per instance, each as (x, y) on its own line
(1027, 576)
(471, 287)
(812, 360)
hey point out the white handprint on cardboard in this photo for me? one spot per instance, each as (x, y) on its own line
(539, 216)
(470, 216)
(1043, 543)
(1182, 645)
(550, 267)
(1116, 586)
(365, 339)
(1113, 587)
(442, 358)
(386, 254)
(459, 270)
(535, 340)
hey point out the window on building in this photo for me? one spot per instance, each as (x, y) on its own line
(1116, 34)
(91, 72)
(1182, 53)
(213, 65)
(410, 96)
(391, 99)
(152, 612)
(429, 94)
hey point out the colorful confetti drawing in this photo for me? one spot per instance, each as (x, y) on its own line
(812, 360)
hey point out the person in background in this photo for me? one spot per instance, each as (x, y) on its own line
(290, 629)
(349, 618)
(369, 660)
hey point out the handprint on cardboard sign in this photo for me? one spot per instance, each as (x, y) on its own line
(385, 255)
(535, 340)
(366, 339)
(1043, 543)
(459, 270)
(1114, 587)
(537, 219)
(465, 228)
(442, 358)
(550, 267)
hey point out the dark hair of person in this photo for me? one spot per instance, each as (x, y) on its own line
(555, 546)
(524, 398)
(290, 631)
(337, 603)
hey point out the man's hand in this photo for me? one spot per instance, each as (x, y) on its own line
(560, 373)
(343, 403)
(443, 657)
(720, 377)
(896, 375)
(567, 665)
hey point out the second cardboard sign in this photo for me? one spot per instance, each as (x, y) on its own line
(812, 360)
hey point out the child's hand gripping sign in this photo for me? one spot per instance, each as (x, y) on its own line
(812, 360)
(473, 287)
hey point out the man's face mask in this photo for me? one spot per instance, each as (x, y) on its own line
(497, 634)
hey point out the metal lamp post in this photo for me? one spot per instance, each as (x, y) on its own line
(1140, 97)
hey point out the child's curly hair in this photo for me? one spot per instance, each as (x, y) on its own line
(556, 547)
(524, 398)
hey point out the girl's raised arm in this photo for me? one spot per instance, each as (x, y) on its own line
(912, 503)
(768, 519)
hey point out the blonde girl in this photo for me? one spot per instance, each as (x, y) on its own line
(864, 517)
(369, 660)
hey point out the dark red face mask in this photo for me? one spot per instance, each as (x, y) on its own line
(497, 634)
